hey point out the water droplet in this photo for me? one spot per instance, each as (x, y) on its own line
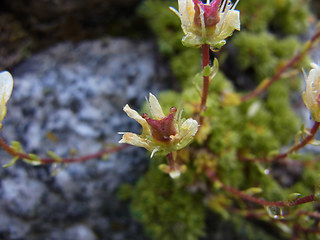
(267, 172)
(275, 212)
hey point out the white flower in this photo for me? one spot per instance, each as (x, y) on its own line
(207, 23)
(311, 96)
(160, 134)
(6, 85)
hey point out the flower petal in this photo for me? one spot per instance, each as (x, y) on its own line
(3, 109)
(135, 140)
(6, 85)
(155, 108)
(312, 93)
(136, 116)
(187, 131)
(186, 9)
(226, 27)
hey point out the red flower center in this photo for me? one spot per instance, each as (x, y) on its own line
(211, 13)
(162, 129)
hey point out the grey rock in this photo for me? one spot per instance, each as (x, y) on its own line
(80, 232)
(22, 197)
(70, 97)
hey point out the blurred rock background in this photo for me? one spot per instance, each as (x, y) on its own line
(28, 26)
(75, 65)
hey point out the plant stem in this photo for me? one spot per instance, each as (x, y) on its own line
(212, 176)
(294, 148)
(170, 160)
(22, 155)
(206, 81)
(290, 63)
(11, 151)
(300, 145)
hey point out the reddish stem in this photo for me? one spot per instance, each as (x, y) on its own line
(170, 160)
(297, 58)
(206, 81)
(211, 175)
(21, 155)
(11, 151)
(300, 145)
(295, 148)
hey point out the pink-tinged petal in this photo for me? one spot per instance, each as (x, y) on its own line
(210, 13)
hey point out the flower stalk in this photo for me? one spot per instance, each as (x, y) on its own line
(300, 145)
(212, 176)
(308, 139)
(24, 156)
(290, 63)
(206, 80)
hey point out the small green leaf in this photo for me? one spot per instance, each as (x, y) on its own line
(293, 196)
(34, 160)
(207, 71)
(273, 153)
(16, 146)
(13, 161)
(253, 191)
(215, 68)
(54, 156)
(218, 45)
(260, 168)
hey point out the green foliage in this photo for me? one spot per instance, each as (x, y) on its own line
(285, 16)
(167, 210)
(291, 16)
(184, 65)
(249, 230)
(283, 121)
(166, 26)
(255, 129)
(262, 52)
